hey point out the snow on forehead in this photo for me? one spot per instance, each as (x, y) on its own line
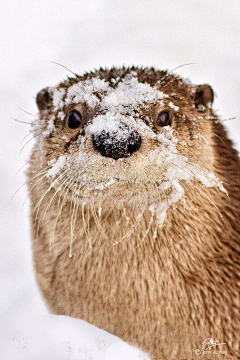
(84, 91)
(129, 93)
(57, 98)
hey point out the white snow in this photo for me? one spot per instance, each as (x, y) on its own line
(57, 165)
(127, 96)
(50, 127)
(28, 337)
(83, 35)
(84, 92)
(107, 122)
(177, 168)
(61, 115)
(125, 99)
(174, 107)
(57, 98)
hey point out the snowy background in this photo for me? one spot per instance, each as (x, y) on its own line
(84, 35)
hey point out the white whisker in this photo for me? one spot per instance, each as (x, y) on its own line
(73, 221)
(56, 220)
(97, 220)
(151, 221)
(85, 226)
(139, 217)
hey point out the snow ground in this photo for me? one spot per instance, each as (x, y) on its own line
(83, 35)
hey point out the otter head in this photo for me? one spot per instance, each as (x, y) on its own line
(127, 134)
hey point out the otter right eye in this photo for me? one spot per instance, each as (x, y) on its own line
(164, 118)
(74, 119)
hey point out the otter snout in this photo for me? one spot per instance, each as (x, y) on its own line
(120, 143)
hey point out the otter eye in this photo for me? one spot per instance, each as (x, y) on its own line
(74, 119)
(164, 118)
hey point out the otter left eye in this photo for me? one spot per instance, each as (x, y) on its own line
(164, 118)
(74, 119)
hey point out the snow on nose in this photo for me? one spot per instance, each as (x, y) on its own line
(118, 143)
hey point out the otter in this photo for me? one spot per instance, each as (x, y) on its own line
(135, 211)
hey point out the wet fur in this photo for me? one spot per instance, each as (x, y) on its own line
(164, 289)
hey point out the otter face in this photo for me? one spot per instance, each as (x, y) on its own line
(128, 133)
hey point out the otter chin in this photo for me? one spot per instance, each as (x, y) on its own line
(135, 210)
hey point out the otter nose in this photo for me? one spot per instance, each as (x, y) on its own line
(120, 143)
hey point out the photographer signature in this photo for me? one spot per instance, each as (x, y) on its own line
(207, 344)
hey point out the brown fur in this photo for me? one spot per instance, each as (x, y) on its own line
(174, 290)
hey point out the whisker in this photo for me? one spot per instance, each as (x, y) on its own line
(56, 221)
(35, 184)
(220, 120)
(26, 163)
(105, 218)
(85, 227)
(26, 111)
(39, 172)
(34, 137)
(181, 66)
(200, 190)
(97, 221)
(208, 199)
(73, 222)
(66, 190)
(53, 62)
(202, 169)
(169, 72)
(88, 223)
(30, 132)
(60, 177)
(55, 193)
(44, 194)
(20, 121)
(133, 226)
(151, 221)
(220, 139)
(25, 182)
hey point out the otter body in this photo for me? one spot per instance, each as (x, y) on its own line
(135, 208)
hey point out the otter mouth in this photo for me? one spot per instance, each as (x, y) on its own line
(117, 187)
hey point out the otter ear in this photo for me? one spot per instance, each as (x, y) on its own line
(203, 95)
(44, 98)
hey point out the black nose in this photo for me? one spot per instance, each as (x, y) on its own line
(120, 143)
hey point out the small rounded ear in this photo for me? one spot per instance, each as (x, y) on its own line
(44, 99)
(204, 95)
